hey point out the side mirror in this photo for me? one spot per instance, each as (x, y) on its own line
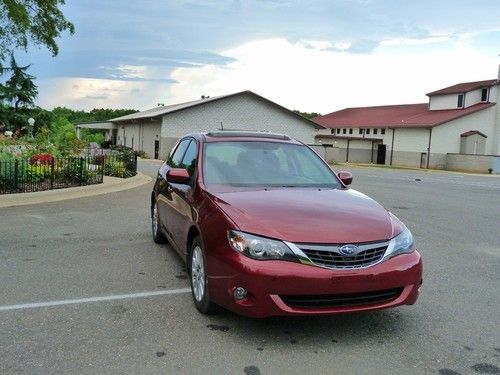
(178, 176)
(345, 177)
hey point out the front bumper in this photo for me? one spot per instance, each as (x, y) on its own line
(269, 283)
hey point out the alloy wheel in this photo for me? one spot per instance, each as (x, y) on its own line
(198, 274)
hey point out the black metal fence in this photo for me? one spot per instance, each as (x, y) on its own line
(23, 176)
(121, 165)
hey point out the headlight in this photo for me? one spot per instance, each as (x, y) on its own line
(259, 247)
(401, 244)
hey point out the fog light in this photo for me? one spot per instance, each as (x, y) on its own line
(239, 293)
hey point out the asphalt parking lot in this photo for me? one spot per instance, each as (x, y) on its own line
(71, 271)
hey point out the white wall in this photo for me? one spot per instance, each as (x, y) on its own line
(450, 101)
(495, 141)
(242, 112)
(132, 134)
(472, 97)
(411, 140)
(139, 136)
(443, 102)
(150, 134)
(470, 163)
(446, 137)
(355, 133)
(324, 131)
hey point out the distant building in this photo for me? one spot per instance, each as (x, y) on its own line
(460, 119)
(156, 130)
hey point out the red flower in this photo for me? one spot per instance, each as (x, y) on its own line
(42, 159)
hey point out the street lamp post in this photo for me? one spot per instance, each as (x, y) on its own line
(31, 123)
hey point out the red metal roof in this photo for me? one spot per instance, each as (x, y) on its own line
(472, 132)
(464, 87)
(394, 116)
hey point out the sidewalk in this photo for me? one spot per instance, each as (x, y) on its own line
(109, 185)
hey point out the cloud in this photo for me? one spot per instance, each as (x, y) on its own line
(314, 79)
(98, 97)
(416, 41)
(139, 73)
(313, 55)
(88, 93)
(129, 64)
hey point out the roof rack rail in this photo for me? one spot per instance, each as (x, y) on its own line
(243, 133)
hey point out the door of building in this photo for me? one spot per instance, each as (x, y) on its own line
(423, 160)
(157, 149)
(381, 154)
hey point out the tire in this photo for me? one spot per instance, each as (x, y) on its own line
(198, 278)
(158, 236)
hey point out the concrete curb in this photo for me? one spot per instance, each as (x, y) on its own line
(396, 168)
(109, 185)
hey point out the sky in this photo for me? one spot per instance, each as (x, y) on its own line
(314, 56)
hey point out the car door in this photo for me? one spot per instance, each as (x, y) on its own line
(181, 208)
(164, 196)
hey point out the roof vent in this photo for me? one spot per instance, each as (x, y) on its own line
(205, 97)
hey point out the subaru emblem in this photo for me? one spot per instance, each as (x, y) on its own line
(349, 250)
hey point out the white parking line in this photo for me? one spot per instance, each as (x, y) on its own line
(93, 299)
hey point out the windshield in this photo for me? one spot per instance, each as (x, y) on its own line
(266, 164)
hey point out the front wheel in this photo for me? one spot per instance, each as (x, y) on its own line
(199, 286)
(158, 236)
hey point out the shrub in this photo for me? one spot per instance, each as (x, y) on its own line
(97, 137)
(42, 159)
(76, 169)
(117, 168)
(98, 159)
(36, 173)
(106, 144)
(6, 156)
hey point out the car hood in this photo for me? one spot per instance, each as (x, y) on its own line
(309, 215)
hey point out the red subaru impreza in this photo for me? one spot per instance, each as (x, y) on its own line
(267, 228)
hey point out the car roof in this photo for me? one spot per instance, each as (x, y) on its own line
(235, 136)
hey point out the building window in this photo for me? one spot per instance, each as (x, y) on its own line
(367, 131)
(360, 131)
(332, 131)
(350, 131)
(338, 131)
(344, 131)
(382, 131)
(484, 95)
(460, 103)
(375, 131)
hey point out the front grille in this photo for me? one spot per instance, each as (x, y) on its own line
(335, 260)
(342, 300)
(329, 256)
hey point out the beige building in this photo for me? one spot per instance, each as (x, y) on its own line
(156, 130)
(461, 119)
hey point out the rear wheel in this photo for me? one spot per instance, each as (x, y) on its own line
(158, 236)
(199, 287)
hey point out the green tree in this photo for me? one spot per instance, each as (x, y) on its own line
(20, 89)
(63, 135)
(37, 21)
(308, 115)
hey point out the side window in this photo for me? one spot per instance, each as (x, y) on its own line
(175, 160)
(190, 158)
(172, 150)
